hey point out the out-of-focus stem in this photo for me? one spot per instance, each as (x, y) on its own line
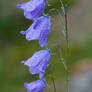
(67, 80)
(54, 85)
(53, 81)
(67, 40)
(66, 29)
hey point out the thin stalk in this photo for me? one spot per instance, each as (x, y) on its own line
(66, 27)
(67, 40)
(67, 80)
(54, 85)
(53, 81)
(67, 71)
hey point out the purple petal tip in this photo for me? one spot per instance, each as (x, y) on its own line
(22, 32)
(22, 62)
(18, 6)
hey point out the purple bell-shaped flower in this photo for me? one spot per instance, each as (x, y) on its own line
(33, 9)
(36, 86)
(38, 62)
(39, 30)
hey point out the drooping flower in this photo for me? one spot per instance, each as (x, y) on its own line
(38, 62)
(36, 86)
(32, 9)
(39, 30)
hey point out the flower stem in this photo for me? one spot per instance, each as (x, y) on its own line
(67, 80)
(66, 27)
(53, 81)
(67, 40)
(54, 85)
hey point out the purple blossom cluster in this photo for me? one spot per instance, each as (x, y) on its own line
(39, 30)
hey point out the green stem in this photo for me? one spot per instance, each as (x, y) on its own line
(67, 80)
(49, 76)
(67, 40)
(66, 27)
(54, 85)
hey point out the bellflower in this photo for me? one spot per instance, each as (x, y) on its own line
(36, 86)
(38, 62)
(32, 9)
(39, 30)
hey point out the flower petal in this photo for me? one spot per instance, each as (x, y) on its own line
(32, 9)
(36, 86)
(39, 30)
(38, 62)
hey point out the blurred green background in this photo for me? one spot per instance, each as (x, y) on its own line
(14, 48)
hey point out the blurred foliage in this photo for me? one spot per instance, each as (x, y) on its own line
(14, 48)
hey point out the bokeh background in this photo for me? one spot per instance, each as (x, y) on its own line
(14, 48)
